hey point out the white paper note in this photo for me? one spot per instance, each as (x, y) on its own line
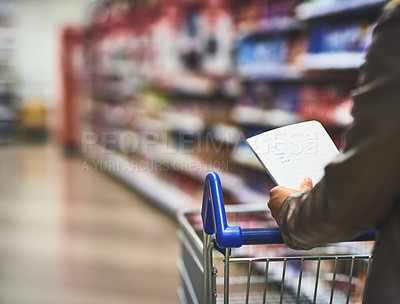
(294, 152)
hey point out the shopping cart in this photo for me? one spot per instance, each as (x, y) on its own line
(269, 272)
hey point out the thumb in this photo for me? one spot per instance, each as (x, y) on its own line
(306, 184)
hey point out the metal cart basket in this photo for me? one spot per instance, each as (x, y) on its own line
(269, 272)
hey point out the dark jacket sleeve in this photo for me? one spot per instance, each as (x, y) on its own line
(359, 188)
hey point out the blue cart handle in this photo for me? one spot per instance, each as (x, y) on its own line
(215, 223)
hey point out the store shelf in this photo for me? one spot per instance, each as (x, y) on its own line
(197, 169)
(183, 122)
(171, 121)
(245, 157)
(150, 124)
(182, 84)
(322, 9)
(248, 115)
(149, 184)
(273, 26)
(178, 161)
(220, 90)
(226, 134)
(269, 72)
(171, 102)
(333, 61)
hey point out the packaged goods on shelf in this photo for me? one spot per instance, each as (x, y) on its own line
(9, 100)
(268, 118)
(273, 51)
(204, 44)
(269, 58)
(339, 37)
(243, 155)
(266, 16)
(337, 45)
(201, 76)
(268, 96)
(329, 105)
(227, 134)
(325, 8)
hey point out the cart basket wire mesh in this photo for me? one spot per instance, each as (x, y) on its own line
(255, 265)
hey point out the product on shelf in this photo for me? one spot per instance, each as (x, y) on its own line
(217, 37)
(338, 44)
(165, 32)
(329, 105)
(264, 53)
(339, 37)
(266, 16)
(192, 79)
(274, 57)
(267, 105)
(313, 9)
(9, 101)
(195, 37)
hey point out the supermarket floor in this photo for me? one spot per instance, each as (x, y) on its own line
(72, 235)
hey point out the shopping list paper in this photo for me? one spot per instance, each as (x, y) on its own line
(294, 152)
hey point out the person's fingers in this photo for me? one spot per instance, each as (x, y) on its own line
(306, 184)
(276, 190)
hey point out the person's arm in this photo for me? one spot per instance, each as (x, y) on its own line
(359, 188)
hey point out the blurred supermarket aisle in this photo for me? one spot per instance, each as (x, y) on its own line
(69, 235)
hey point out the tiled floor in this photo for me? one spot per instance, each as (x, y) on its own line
(69, 235)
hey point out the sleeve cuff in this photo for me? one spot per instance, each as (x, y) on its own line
(285, 220)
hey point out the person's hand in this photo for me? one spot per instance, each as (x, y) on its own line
(278, 195)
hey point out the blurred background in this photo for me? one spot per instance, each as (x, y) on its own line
(112, 112)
